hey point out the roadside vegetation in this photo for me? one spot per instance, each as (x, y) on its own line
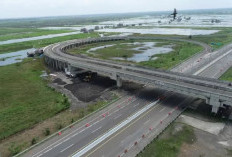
(41, 43)
(181, 51)
(30, 110)
(169, 143)
(18, 33)
(25, 97)
(227, 76)
(216, 40)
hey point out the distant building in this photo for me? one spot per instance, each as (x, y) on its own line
(120, 25)
(97, 28)
(84, 30)
(215, 21)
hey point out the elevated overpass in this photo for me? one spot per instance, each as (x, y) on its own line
(216, 93)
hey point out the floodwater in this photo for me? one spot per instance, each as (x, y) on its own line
(164, 31)
(13, 57)
(100, 47)
(147, 50)
(36, 38)
(198, 20)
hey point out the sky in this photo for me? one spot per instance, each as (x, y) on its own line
(43, 8)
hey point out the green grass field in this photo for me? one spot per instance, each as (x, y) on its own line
(227, 76)
(18, 33)
(25, 97)
(169, 146)
(41, 43)
(218, 40)
(182, 51)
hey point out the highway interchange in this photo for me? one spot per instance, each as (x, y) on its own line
(166, 107)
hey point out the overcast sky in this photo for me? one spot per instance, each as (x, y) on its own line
(40, 8)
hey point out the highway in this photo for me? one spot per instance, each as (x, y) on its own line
(140, 128)
(80, 137)
(195, 86)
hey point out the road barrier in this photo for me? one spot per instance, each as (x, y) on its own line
(146, 137)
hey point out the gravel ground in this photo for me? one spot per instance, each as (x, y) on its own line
(81, 93)
(90, 91)
(210, 127)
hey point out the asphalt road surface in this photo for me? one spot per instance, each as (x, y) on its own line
(87, 132)
(149, 121)
(79, 136)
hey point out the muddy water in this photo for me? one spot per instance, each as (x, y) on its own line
(13, 57)
(146, 49)
(100, 47)
(164, 31)
(36, 38)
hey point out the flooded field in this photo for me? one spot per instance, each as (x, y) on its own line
(100, 47)
(143, 51)
(37, 38)
(164, 31)
(13, 57)
(188, 20)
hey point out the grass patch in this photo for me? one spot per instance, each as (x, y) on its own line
(17, 33)
(119, 50)
(219, 39)
(227, 76)
(25, 97)
(229, 152)
(48, 127)
(170, 146)
(182, 51)
(42, 43)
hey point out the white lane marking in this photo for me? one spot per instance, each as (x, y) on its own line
(48, 150)
(40, 155)
(147, 121)
(66, 140)
(96, 130)
(78, 133)
(117, 116)
(114, 130)
(79, 129)
(55, 47)
(67, 148)
(57, 145)
(136, 105)
(211, 63)
(162, 109)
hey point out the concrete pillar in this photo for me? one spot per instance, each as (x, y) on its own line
(215, 103)
(119, 82)
(70, 68)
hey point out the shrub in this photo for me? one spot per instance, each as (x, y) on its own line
(33, 141)
(14, 149)
(59, 126)
(47, 132)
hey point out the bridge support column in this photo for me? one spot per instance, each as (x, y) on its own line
(119, 81)
(70, 68)
(214, 101)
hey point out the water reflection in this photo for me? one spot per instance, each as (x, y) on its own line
(13, 57)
